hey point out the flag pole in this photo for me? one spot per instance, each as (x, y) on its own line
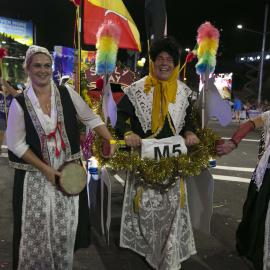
(148, 51)
(135, 61)
(78, 15)
(205, 79)
(105, 82)
(203, 102)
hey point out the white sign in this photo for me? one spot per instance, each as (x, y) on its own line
(159, 148)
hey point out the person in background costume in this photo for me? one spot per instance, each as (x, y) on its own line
(6, 96)
(253, 233)
(157, 106)
(237, 105)
(43, 134)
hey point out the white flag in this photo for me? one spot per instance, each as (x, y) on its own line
(215, 106)
(109, 105)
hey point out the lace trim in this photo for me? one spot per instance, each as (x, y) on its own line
(60, 118)
(260, 171)
(178, 109)
(143, 104)
(40, 131)
(161, 231)
(29, 167)
(266, 120)
(37, 125)
(170, 124)
(22, 166)
(74, 156)
(49, 223)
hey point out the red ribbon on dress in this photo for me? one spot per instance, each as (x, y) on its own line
(53, 135)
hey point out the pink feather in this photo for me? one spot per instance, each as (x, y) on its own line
(109, 29)
(207, 30)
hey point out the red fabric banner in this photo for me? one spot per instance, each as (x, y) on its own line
(95, 15)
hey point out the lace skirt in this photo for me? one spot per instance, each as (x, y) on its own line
(161, 230)
(49, 222)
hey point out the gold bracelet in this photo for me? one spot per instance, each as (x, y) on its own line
(127, 133)
(113, 141)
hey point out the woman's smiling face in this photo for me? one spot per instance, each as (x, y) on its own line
(40, 69)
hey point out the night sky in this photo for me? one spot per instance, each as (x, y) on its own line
(54, 20)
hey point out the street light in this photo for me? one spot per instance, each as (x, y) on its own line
(264, 33)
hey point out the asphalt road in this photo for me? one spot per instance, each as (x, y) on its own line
(215, 251)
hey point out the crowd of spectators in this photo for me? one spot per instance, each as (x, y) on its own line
(248, 109)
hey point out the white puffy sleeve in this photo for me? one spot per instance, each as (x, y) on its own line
(86, 115)
(15, 134)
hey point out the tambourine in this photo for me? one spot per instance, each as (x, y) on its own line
(73, 178)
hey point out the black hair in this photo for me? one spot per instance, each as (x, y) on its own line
(166, 44)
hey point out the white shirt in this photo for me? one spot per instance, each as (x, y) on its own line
(16, 134)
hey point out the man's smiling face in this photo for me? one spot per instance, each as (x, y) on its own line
(163, 66)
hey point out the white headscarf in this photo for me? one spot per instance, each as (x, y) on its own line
(29, 53)
(33, 50)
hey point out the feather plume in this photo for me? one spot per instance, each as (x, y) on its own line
(208, 40)
(108, 37)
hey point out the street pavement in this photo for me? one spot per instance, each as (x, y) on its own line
(214, 252)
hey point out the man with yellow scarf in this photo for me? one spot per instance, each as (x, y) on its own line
(154, 109)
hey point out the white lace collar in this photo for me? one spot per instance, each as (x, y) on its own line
(48, 122)
(142, 103)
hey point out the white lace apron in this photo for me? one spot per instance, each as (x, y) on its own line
(49, 218)
(161, 230)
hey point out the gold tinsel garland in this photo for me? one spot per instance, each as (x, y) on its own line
(163, 173)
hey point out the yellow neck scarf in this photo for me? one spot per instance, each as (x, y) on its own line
(164, 93)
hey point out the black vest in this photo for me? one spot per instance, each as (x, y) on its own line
(32, 138)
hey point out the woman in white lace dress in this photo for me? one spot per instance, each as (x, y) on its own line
(253, 233)
(42, 134)
(157, 106)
